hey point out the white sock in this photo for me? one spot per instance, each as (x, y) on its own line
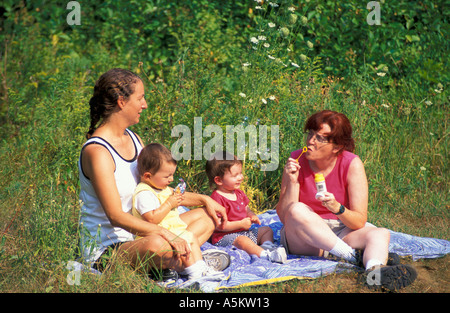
(343, 250)
(195, 270)
(264, 255)
(373, 262)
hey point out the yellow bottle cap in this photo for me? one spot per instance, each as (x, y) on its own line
(319, 178)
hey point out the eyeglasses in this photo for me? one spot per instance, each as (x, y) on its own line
(318, 138)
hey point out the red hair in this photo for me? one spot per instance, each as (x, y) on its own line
(341, 130)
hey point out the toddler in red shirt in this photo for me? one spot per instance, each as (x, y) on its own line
(225, 177)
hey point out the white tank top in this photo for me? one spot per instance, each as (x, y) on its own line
(96, 232)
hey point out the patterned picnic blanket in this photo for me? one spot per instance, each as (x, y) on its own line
(246, 270)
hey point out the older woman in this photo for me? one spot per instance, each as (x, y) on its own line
(336, 221)
(108, 177)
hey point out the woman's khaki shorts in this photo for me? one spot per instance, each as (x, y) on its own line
(338, 228)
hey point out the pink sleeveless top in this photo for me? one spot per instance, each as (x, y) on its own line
(336, 182)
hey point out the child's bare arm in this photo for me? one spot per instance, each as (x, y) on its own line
(245, 223)
(253, 217)
(157, 215)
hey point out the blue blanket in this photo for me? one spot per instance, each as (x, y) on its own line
(246, 270)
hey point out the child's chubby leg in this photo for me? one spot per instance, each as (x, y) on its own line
(246, 244)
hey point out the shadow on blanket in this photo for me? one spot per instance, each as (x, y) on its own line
(247, 271)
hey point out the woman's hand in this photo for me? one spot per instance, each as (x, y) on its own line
(329, 201)
(292, 169)
(216, 211)
(180, 246)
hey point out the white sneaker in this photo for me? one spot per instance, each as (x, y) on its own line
(211, 274)
(278, 255)
(208, 281)
(216, 259)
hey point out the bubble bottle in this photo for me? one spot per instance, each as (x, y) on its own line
(320, 185)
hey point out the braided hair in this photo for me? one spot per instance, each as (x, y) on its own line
(112, 85)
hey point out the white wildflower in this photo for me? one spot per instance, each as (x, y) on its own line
(381, 74)
(243, 95)
(292, 9)
(294, 64)
(270, 57)
(384, 105)
(271, 25)
(262, 38)
(254, 40)
(266, 45)
(273, 4)
(258, 7)
(428, 102)
(264, 101)
(423, 168)
(259, 1)
(272, 97)
(246, 64)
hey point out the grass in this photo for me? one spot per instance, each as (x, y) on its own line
(401, 133)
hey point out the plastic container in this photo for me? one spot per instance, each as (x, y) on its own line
(320, 185)
(181, 187)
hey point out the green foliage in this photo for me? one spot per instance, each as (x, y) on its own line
(230, 63)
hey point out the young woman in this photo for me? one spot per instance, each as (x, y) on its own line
(108, 177)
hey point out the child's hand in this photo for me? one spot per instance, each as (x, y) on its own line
(175, 200)
(255, 219)
(246, 223)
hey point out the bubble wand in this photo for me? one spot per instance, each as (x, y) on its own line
(305, 149)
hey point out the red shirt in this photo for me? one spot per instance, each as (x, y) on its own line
(236, 210)
(336, 182)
